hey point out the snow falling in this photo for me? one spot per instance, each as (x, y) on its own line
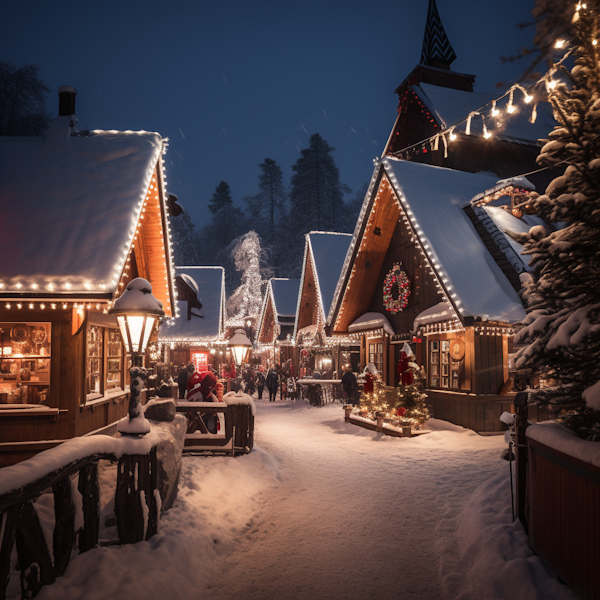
(323, 509)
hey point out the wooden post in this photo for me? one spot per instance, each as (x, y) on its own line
(34, 558)
(521, 424)
(90, 493)
(8, 525)
(133, 522)
(348, 411)
(64, 530)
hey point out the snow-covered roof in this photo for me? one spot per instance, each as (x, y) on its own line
(329, 250)
(285, 296)
(434, 314)
(210, 283)
(434, 198)
(371, 320)
(70, 205)
(451, 106)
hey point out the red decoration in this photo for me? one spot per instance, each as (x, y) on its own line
(402, 365)
(368, 386)
(407, 378)
(397, 277)
(401, 411)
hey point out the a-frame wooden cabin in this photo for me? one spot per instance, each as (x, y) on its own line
(324, 255)
(276, 324)
(83, 213)
(423, 269)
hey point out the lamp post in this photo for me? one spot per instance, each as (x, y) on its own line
(239, 344)
(137, 311)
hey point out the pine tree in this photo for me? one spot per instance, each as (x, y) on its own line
(317, 196)
(562, 328)
(22, 100)
(267, 208)
(185, 240)
(227, 220)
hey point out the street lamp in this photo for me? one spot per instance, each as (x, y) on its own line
(137, 311)
(239, 344)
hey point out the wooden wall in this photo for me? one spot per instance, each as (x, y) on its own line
(309, 306)
(71, 416)
(423, 290)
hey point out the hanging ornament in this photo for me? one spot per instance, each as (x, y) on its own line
(396, 276)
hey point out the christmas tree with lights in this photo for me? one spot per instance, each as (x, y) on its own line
(410, 404)
(561, 333)
(373, 398)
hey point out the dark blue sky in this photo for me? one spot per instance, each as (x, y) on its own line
(231, 83)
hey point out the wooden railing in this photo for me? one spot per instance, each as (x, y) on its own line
(136, 484)
(236, 433)
(563, 518)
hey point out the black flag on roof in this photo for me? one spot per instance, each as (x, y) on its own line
(436, 45)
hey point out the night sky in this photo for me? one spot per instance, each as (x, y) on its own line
(231, 83)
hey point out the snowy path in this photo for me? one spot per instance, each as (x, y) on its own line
(322, 509)
(356, 515)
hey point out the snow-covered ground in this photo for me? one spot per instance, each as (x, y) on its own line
(322, 509)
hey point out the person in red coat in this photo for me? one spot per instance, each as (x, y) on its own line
(370, 373)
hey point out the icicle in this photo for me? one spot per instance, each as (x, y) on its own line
(533, 113)
(445, 146)
(468, 128)
(436, 143)
(495, 111)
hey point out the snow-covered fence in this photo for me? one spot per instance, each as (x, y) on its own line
(137, 504)
(564, 501)
(235, 418)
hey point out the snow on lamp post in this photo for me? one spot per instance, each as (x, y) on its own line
(239, 344)
(137, 311)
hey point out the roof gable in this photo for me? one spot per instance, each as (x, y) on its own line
(71, 208)
(279, 309)
(329, 251)
(430, 200)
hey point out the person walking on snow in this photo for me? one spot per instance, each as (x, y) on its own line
(260, 380)
(272, 383)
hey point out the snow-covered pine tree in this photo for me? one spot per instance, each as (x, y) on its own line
(267, 208)
(317, 195)
(246, 300)
(562, 328)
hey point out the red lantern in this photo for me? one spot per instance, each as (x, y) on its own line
(401, 411)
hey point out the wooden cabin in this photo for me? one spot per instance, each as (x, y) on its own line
(197, 335)
(431, 264)
(82, 214)
(324, 255)
(276, 324)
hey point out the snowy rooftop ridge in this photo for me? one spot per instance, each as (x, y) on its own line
(435, 197)
(210, 285)
(70, 205)
(451, 106)
(328, 250)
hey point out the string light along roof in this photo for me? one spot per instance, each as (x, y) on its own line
(210, 283)
(431, 200)
(436, 45)
(450, 106)
(71, 205)
(282, 294)
(434, 198)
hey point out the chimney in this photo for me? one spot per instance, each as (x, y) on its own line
(66, 100)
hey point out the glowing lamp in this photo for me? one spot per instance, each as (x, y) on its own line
(137, 311)
(239, 344)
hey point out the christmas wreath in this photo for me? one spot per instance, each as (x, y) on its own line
(397, 277)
